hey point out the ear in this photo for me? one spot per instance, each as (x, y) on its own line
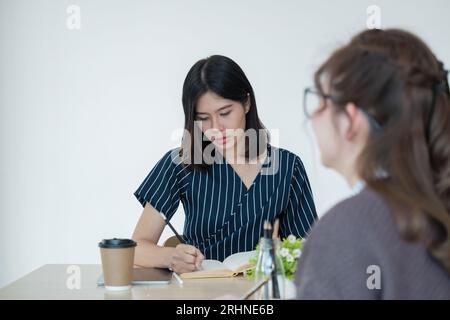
(247, 104)
(354, 118)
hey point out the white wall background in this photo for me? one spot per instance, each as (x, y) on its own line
(85, 114)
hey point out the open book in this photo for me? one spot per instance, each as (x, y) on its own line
(230, 267)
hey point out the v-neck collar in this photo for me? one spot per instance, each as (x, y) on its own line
(257, 177)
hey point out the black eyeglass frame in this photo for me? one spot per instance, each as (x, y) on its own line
(373, 122)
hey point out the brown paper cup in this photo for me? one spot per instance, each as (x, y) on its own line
(117, 263)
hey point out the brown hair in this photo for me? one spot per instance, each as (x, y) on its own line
(394, 77)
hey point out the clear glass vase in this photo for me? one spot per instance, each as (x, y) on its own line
(270, 269)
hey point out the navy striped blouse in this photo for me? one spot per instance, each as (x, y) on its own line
(223, 216)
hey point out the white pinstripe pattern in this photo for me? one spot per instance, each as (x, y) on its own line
(229, 218)
(225, 210)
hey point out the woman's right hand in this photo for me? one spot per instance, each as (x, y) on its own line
(185, 258)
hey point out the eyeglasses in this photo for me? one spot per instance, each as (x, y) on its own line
(315, 102)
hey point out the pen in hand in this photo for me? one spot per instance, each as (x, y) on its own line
(180, 238)
(182, 241)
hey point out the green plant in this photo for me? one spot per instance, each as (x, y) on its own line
(289, 250)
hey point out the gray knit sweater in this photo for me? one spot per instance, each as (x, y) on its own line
(355, 252)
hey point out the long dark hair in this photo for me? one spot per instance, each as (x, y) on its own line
(224, 77)
(393, 76)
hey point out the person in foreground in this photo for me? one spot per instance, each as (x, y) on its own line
(383, 122)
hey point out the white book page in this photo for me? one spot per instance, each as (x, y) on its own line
(237, 260)
(212, 265)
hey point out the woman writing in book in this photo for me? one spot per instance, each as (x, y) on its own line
(382, 120)
(226, 174)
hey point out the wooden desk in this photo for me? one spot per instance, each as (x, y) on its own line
(49, 282)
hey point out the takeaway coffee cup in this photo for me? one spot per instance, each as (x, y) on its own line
(117, 263)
